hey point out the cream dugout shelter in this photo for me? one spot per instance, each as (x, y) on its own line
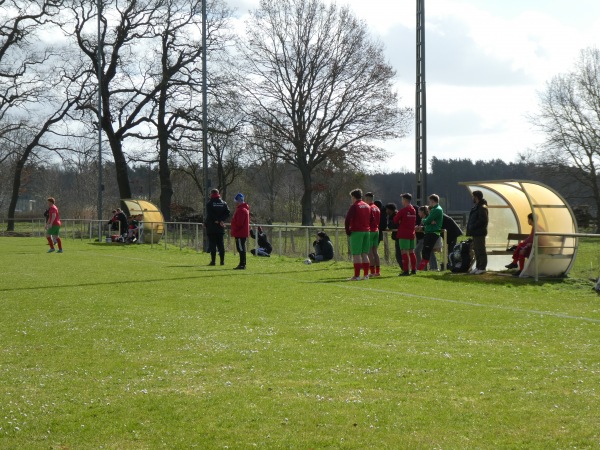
(153, 225)
(509, 203)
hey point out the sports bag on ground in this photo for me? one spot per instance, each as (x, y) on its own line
(460, 259)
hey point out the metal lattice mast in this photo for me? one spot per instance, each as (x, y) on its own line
(421, 110)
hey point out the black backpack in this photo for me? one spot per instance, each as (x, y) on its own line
(460, 259)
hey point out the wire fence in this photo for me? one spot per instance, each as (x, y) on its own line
(287, 240)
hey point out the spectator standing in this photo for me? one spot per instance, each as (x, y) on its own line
(453, 231)
(53, 226)
(240, 228)
(422, 212)
(431, 225)
(477, 229)
(122, 219)
(323, 248)
(217, 212)
(374, 263)
(390, 211)
(264, 246)
(358, 227)
(114, 221)
(406, 219)
(383, 219)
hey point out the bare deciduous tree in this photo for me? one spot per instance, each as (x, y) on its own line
(319, 85)
(569, 116)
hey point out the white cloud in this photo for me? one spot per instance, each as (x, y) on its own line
(486, 60)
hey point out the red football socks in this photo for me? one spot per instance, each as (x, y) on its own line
(59, 242)
(413, 260)
(405, 262)
(50, 242)
(423, 264)
(366, 269)
(357, 269)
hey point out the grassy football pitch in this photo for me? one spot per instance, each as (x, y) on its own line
(132, 347)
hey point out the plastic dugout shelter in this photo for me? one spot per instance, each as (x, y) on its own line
(153, 225)
(509, 203)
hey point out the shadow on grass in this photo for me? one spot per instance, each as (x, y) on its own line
(499, 278)
(205, 273)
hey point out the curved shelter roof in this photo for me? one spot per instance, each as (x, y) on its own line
(509, 203)
(153, 225)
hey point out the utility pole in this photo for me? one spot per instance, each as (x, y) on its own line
(421, 109)
(100, 178)
(204, 121)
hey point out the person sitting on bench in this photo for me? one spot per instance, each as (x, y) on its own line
(523, 250)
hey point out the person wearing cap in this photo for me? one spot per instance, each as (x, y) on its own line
(217, 212)
(264, 246)
(477, 229)
(240, 228)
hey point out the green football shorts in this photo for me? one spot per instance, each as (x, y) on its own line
(360, 242)
(374, 238)
(406, 244)
(53, 230)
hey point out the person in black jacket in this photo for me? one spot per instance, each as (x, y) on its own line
(123, 222)
(323, 248)
(390, 211)
(217, 212)
(453, 231)
(264, 246)
(477, 229)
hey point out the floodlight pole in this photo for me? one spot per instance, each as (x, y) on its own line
(421, 110)
(204, 121)
(100, 178)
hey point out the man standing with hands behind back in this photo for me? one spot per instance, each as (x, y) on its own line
(217, 212)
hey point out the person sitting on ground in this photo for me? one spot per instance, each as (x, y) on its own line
(523, 249)
(264, 246)
(323, 248)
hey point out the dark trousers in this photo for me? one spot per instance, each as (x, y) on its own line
(398, 252)
(215, 242)
(240, 245)
(480, 253)
(428, 242)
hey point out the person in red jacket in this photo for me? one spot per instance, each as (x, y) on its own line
(240, 228)
(406, 220)
(358, 227)
(374, 227)
(524, 247)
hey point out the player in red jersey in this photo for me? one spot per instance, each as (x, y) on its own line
(374, 264)
(406, 219)
(358, 227)
(53, 226)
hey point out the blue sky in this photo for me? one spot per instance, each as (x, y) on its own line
(486, 62)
